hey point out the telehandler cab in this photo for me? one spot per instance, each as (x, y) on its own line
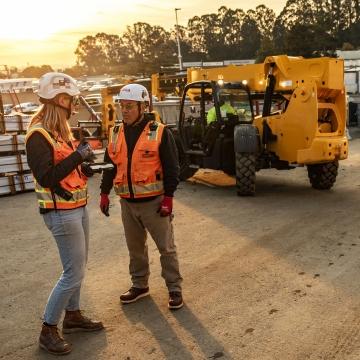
(286, 112)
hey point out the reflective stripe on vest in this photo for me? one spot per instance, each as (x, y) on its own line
(146, 169)
(74, 183)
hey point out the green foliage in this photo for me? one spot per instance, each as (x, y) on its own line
(102, 53)
(148, 47)
(317, 27)
(304, 28)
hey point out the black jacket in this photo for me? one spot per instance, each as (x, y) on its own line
(168, 157)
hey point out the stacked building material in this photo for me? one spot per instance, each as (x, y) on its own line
(15, 122)
(15, 175)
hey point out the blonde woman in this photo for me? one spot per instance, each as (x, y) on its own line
(60, 174)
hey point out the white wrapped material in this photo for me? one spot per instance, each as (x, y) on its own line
(12, 143)
(11, 184)
(13, 163)
(15, 122)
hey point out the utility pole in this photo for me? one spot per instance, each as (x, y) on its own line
(178, 40)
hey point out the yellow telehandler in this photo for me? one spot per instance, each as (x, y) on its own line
(284, 113)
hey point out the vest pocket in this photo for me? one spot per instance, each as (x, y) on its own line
(142, 177)
(73, 181)
(147, 155)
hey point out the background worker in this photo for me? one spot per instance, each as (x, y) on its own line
(145, 176)
(110, 112)
(225, 108)
(61, 187)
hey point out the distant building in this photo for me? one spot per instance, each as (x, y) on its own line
(352, 71)
(352, 83)
(217, 63)
(17, 85)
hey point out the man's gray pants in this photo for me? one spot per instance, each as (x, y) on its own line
(137, 218)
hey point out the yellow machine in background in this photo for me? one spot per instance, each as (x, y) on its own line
(289, 112)
(164, 84)
(107, 95)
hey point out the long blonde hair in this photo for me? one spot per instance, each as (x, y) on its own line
(53, 119)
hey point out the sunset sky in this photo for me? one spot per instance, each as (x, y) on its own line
(41, 32)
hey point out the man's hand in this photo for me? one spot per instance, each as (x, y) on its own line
(86, 151)
(104, 204)
(166, 206)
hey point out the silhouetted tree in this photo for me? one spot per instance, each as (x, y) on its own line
(102, 53)
(36, 71)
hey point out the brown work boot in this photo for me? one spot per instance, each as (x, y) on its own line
(175, 300)
(51, 341)
(134, 294)
(75, 321)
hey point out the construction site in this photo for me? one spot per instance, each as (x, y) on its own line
(265, 220)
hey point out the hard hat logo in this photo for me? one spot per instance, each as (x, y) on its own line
(63, 83)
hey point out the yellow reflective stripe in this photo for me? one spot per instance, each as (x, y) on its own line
(152, 135)
(114, 137)
(121, 189)
(62, 205)
(44, 195)
(62, 201)
(153, 188)
(39, 128)
(148, 188)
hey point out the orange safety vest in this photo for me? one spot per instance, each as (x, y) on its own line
(146, 169)
(75, 182)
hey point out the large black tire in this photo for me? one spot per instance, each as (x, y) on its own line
(323, 176)
(245, 173)
(186, 171)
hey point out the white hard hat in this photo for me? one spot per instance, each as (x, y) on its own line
(54, 83)
(135, 92)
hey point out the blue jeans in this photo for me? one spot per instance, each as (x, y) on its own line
(70, 229)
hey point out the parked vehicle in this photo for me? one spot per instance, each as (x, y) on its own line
(7, 108)
(26, 107)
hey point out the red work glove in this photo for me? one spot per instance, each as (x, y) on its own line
(104, 204)
(166, 206)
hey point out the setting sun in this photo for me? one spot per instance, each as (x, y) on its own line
(29, 22)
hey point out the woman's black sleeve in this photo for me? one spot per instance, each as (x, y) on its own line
(40, 158)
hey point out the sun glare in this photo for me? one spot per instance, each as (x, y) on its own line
(39, 20)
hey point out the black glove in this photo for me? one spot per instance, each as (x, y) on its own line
(86, 152)
(86, 169)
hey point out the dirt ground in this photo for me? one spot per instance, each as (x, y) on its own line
(275, 276)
